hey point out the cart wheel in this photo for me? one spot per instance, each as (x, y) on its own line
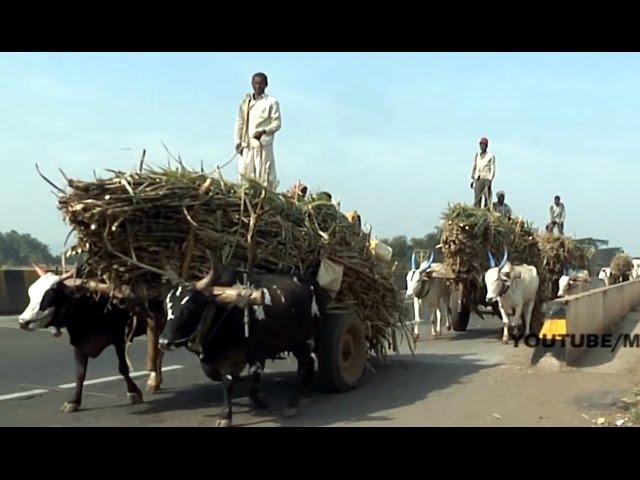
(459, 320)
(342, 352)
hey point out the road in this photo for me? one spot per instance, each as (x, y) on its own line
(462, 379)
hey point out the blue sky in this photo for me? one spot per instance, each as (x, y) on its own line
(391, 134)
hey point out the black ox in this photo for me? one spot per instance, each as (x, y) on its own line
(93, 324)
(287, 322)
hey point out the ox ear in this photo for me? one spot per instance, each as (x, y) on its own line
(516, 275)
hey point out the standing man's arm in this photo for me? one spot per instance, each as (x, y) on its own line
(473, 169)
(276, 120)
(551, 219)
(240, 126)
(562, 213)
(492, 168)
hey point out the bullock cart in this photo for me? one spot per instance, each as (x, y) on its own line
(135, 227)
(473, 240)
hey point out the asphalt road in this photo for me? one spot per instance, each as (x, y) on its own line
(37, 376)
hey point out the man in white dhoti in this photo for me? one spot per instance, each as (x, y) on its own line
(258, 121)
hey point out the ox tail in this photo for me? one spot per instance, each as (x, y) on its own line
(129, 342)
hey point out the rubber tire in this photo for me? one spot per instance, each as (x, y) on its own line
(460, 321)
(330, 341)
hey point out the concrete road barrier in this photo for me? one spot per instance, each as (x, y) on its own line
(580, 322)
(14, 284)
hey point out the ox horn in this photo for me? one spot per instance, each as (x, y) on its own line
(68, 275)
(41, 271)
(426, 267)
(492, 259)
(211, 276)
(505, 257)
(414, 263)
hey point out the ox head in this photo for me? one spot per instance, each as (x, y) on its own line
(498, 277)
(186, 304)
(604, 274)
(46, 294)
(567, 280)
(418, 276)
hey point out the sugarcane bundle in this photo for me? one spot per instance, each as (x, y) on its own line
(621, 267)
(134, 226)
(469, 233)
(560, 253)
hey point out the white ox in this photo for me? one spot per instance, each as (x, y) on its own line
(635, 273)
(428, 292)
(605, 275)
(573, 281)
(515, 288)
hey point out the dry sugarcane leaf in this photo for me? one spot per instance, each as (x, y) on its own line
(173, 218)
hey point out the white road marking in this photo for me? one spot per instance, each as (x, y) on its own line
(117, 377)
(23, 394)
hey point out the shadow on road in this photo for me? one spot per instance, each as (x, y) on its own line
(476, 334)
(405, 381)
(600, 356)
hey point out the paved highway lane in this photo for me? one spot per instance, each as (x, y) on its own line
(38, 366)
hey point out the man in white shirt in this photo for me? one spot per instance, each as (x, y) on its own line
(557, 214)
(482, 175)
(257, 122)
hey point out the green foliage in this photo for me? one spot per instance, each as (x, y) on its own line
(403, 247)
(21, 249)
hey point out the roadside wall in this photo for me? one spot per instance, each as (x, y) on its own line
(14, 283)
(598, 311)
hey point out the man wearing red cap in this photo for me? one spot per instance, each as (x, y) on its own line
(482, 175)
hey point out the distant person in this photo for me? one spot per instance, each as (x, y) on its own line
(501, 207)
(256, 125)
(557, 214)
(482, 175)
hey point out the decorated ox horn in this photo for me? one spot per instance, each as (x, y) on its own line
(492, 259)
(414, 262)
(503, 262)
(41, 271)
(426, 267)
(209, 280)
(69, 274)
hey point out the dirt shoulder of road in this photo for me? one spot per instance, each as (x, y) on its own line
(602, 390)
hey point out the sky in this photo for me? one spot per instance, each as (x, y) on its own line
(391, 135)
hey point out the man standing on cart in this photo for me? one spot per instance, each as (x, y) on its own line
(482, 175)
(257, 122)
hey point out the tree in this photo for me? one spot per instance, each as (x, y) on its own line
(21, 249)
(403, 248)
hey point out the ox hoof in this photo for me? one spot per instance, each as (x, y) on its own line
(448, 328)
(223, 423)
(135, 398)
(152, 387)
(69, 407)
(290, 412)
